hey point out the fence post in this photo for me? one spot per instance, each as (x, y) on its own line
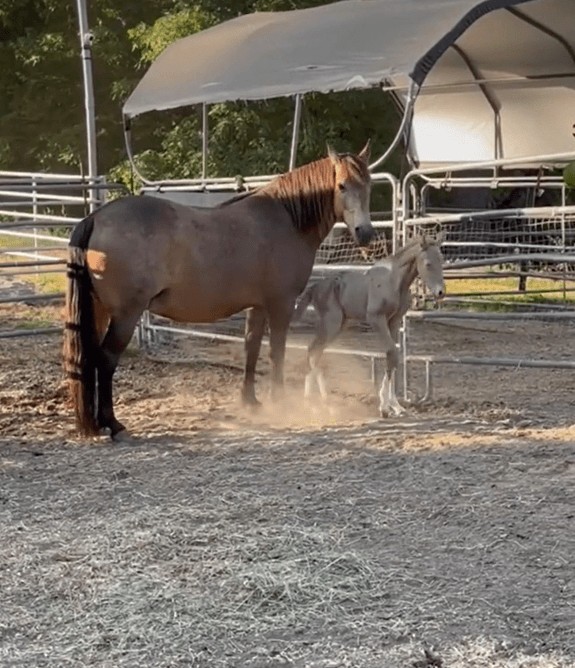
(35, 214)
(86, 40)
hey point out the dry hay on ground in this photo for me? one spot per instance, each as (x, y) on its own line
(287, 539)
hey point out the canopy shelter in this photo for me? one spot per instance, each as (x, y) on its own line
(479, 81)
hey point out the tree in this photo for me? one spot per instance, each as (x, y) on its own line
(42, 115)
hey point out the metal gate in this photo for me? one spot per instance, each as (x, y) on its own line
(527, 235)
(37, 213)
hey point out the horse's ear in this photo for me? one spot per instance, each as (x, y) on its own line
(440, 238)
(365, 152)
(333, 155)
(424, 241)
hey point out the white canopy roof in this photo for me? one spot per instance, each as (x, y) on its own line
(497, 77)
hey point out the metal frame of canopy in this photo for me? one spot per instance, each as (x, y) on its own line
(298, 102)
(406, 87)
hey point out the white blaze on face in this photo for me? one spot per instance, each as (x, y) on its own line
(431, 271)
(353, 186)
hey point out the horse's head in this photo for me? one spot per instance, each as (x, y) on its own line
(352, 192)
(430, 266)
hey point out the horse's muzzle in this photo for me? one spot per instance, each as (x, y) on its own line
(364, 235)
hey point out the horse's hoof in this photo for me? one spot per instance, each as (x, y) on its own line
(122, 436)
(251, 403)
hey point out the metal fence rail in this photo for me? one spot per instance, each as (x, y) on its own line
(542, 248)
(37, 212)
(532, 242)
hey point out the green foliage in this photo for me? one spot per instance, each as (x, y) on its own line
(42, 106)
(151, 40)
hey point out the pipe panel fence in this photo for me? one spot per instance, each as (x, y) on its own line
(512, 261)
(37, 213)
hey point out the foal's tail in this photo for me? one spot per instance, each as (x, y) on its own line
(304, 301)
(80, 341)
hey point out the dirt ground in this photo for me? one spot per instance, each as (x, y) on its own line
(291, 537)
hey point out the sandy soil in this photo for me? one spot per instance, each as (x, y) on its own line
(291, 537)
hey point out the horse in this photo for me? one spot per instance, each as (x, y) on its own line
(381, 296)
(254, 252)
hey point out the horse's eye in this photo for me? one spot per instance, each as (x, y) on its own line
(341, 186)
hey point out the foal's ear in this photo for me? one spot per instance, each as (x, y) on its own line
(333, 155)
(365, 152)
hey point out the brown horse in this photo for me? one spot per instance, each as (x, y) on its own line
(254, 252)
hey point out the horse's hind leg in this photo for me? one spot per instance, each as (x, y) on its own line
(329, 326)
(279, 318)
(115, 341)
(101, 319)
(255, 325)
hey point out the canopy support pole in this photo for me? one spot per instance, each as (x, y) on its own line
(544, 29)
(128, 143)
(205, 135)
(489, 96)
(295, 131)
(86, 39)
(405, 121)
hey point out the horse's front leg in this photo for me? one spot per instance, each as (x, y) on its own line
(255, 326)
(387, 399)
(279, 318)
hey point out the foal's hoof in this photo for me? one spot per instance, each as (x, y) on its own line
(391, 411)
(418, 402)
(330, 409)
(388, 412)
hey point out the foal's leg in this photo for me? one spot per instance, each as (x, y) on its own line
(379, 322)
(115, 341)
(255, 325)
(329, 326)
(393, 403)
(279, 317)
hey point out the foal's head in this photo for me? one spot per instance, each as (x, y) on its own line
(430, 266)
(352, 191)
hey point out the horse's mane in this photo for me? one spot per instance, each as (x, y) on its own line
(307, 195)
(307, 192)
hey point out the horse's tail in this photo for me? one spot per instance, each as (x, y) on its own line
(80, 341)
(303, 302)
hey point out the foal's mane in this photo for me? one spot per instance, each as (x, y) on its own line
(406, 253)
(307, 192)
